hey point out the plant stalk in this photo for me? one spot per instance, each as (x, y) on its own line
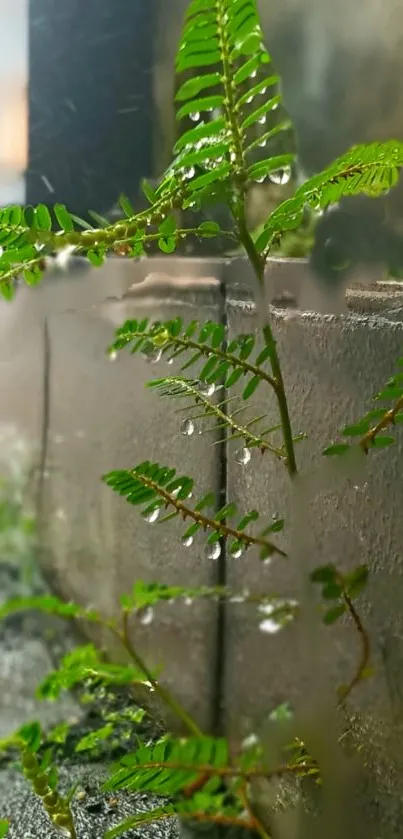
(162, 692)
(279, 389)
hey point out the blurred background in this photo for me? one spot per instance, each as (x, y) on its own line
(87, 93)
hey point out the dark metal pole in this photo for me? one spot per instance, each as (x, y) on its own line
(90, 101)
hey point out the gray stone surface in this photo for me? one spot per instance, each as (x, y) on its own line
(102, 417)
(94, 812)
(348, 515)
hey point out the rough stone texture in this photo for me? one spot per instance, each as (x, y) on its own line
(94, 812)
(94, 544)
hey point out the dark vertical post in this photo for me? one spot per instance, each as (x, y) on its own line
(90, 100)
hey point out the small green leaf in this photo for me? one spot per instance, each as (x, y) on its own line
(148, 191)
(4, 825)
(94, 738)
(99, 220)
(64, 218)
(252, 385)
(167, 245)
(43, 218)
(96, 258)
(168, 226)
(323, 574)
(209, 228)
(381, 442)
(332, 591)
(358, 429)
(192, 87)
(334, 614)
(126, 206)
(336, 449)
(356, 581)
(205, 103)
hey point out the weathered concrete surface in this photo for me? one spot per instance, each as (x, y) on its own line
(332, 367)
(94, 812)
(94, 545)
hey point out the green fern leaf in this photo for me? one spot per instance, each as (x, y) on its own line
(222, 33)
(83, 664)
(153, 487)
(169, 766)
(366, 169)
(141, 819)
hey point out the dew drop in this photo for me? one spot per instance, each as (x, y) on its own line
(207, 388)
(249, 100)
(276, 516)
(152, 516)
(243, 456)
(153, 356)
(260, 180)
(147, 616)
(190, 173)
(269, 626)
(188, 601)
(213, 551)
(195, 117)
(113, 355)
(236, 551)
(263, 143)
(275, 106)
(187, 542)
(253, 74)
(262, 119)
(250, 741)
(281, 176)
(187, 427)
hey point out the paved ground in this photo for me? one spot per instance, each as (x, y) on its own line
(29, 648)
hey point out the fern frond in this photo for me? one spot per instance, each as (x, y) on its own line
(155, 487)
(225, 362)
(49, 604)
(367, 432)
(144, 595)
(366, 169)
(178, 387)
(170, 766)
(82, 664)
(222, 45)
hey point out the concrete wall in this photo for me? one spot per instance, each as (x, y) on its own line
(88, 415)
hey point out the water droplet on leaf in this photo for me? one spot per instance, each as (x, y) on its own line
(262, 119)
(207, 388)
(269, 626)
(253, 74)
(153, 356)
(213, 551)
(236, 551)
(281, 176)
(195, 117)
(263, 143)
(190, 173)
(147, 616)
(113, 355)
(188, 542)
(243, 456)
(152, 515)
(187, 427)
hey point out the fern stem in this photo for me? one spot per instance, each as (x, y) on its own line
(278, 383)
(161, 691)
(211, 524)
(388, 419)
(345, 691)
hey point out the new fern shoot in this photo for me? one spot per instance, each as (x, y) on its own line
(229, 93)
